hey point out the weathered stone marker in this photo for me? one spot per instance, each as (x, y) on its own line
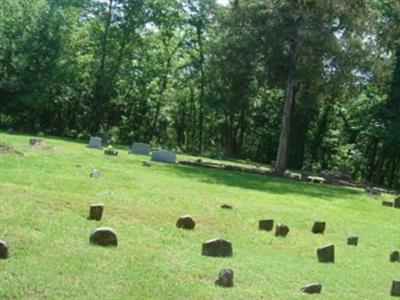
(281, 230)
(352, 240)
(225, 278)
(3, 250)
(217, 248)
(95, 173)
(164, 156)
(318, 227)
(96, 211)
(104, 236)
(186, 222)
(226, 206)
(312, 288)
(266, 224)
(387, 203)
(326, 254)
(95, 142)
(395, 290)
(35, 142)
(140, 148)
(394, 256)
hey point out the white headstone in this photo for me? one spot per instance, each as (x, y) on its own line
(140, 148)
(164, 156)
(95, 142)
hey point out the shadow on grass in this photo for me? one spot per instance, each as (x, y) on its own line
(264, 183)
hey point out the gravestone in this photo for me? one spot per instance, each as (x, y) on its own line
(318, 227)
(226, 206)
(164, 156)
(395, 290)
(396, 203)
(104, 236)
(266, 224)
(3, 250)
(35, 142)
(387, 203)
(313, 288)
(95, 173)
(96, 212)
(326, 254)
(281, 230)
(140, 148)
(95, 142)
(352, 240)
(225, 278)
(394, 256)
(217, 248)
(186, 222)
(146, 164)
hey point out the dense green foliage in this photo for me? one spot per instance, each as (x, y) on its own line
(45, 197)
(201, 77)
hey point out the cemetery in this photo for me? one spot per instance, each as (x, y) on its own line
(160, 232)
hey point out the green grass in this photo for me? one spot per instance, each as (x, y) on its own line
(44, 200)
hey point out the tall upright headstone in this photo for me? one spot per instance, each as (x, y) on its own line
(140, 148)
(164, 156)
(3, 250)
(95, 142)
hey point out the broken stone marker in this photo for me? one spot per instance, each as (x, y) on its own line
(352, 240)
(96, 211)
(387, 203)
(395, 290)
(104, 236)
(217, 248)
(186, 222)
(266, 224)
(95, 142)
(313, 288)
(318, 227)
(225, 278)
(394, 256)
(326, 254)
(3, 250)
(95, 173)
(281, 230)
(226, 206)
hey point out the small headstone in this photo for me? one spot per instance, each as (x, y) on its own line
(217, 248)
(326, 254)
(95, 142)
(387, 203)
(35, 142)
(225, 278)
(146, 164)
(104, 236)
(396, 203)
(394, 256)
(395, 290)
(186, 222)
(318, 227)
(352, 240)
(226, 206)
(281, 230)
(140, 148)
(266, 224)
(96, 211)
(111, 151)
(95, 173)
(3, 250)
(164, 156)
(313, 288)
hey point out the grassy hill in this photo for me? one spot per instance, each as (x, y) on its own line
(44, 201)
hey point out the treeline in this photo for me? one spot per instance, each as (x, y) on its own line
(310, 84)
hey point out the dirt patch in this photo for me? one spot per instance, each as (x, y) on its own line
(8, 149)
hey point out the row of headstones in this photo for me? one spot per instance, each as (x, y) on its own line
(137, 148)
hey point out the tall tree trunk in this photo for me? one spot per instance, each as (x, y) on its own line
(202, 84)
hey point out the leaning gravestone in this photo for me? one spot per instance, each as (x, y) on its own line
(164, 156)
(3, 250)
(225, 278)
(186, 222)
(266, 224)
(96, 212)
(326, 254)
(95, 142)
(394, 256)
(395, 290)
(318, 227)
(140, 148)
(217, 248)
(313, 288)
(281, 230)
(104, 236)
(352, 240)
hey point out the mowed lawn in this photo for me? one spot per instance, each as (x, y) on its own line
(44, 201)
